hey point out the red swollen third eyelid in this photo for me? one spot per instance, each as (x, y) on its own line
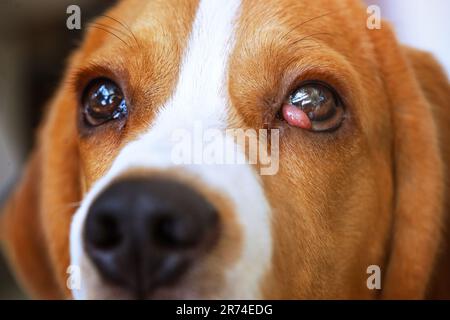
(296, 117)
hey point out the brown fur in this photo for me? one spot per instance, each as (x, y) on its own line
(374, 192)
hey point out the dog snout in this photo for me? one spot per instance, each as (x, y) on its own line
(143, 234)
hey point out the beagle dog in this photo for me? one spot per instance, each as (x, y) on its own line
(363, 146)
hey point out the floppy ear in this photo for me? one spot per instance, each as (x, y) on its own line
(22, 235)
(37, 217)
(418, 175)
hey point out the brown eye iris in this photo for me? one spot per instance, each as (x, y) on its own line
(314, 107)
(103, 101)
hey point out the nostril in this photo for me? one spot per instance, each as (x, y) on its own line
(103, 232)
(172, 231)
(179, 230)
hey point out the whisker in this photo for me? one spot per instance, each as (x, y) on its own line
(296, 27)
(74, 204)
(124, 25)
(297, 41)
(109, 28)
(108, 31)
(66, 206)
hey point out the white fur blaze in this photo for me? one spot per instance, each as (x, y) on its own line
(200, 96)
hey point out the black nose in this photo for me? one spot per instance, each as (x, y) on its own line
(143, 234)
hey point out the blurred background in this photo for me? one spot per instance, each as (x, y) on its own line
(34, 45)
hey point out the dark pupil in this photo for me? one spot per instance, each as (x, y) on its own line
(315, 101)
(106, 102)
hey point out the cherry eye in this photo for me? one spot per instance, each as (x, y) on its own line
(313, 107)
(103, 101)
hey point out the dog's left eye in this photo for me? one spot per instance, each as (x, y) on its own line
(103, 101)
(314, 107)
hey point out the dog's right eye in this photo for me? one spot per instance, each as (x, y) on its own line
(103, 101)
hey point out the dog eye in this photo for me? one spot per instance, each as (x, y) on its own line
(103, 101)
(314, 107)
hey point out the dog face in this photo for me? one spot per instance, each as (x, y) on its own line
(311, 74)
